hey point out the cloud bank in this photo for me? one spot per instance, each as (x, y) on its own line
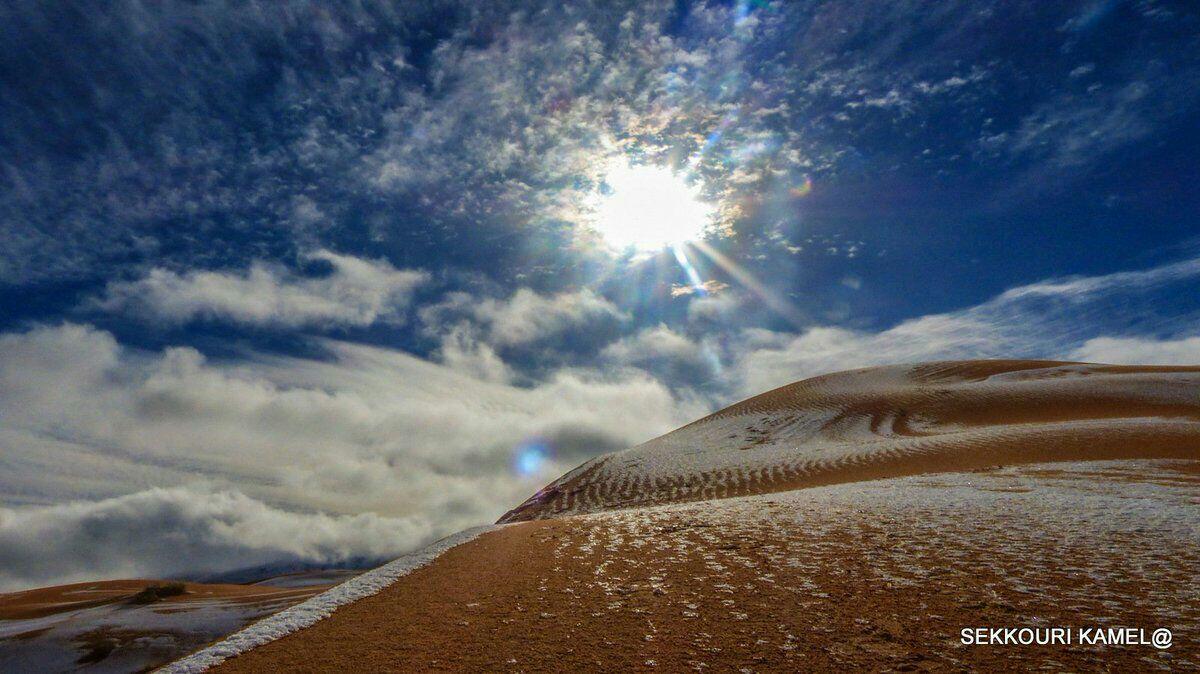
(182, 533)
(1139, 351)
(423, 446)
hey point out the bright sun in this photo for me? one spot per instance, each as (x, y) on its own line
(648, 208)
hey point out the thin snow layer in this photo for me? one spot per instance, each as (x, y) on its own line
(319, 607)
(892, 421)
(1104, 542)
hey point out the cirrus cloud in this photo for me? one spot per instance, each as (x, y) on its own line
(1070, 318)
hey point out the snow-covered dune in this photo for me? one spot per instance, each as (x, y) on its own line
(880, 575)
(893, 421)
(854, 521)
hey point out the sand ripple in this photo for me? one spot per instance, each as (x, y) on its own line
(894, 421)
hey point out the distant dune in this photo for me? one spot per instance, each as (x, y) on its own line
(893, 421)
(134, 625)
(857, 520)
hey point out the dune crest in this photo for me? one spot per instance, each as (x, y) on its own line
(895, 421)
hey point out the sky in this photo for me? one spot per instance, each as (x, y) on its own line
(317, 283)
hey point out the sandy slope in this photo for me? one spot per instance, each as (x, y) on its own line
(939, 510)
(873, 575)
(892, 421)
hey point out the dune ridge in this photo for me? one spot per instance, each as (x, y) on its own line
(894, 421)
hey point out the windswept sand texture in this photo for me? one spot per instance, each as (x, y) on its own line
(893, 421)
(943, 496)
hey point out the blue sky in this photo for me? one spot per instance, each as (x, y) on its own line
(327, 268)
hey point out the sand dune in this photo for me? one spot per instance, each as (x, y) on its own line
(893, 421)
(858, 520)
(869, 576)
(101, 626)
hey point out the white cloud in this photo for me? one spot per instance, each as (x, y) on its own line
(714, 309)
(709, 287)
(171, 533)
(527, 317)
(1060, 318)
(830, 349)
(366, 430)
(1086, 287)
(1082, 70)
(356, 292)
(1136, 350)
(1073, 131)
(427, 447)
(460, 351)
(671, 356)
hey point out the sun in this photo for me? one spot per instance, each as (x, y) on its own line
(648, 207)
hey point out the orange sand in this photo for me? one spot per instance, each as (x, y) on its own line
(823, 584)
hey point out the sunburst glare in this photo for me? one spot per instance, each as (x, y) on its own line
(648, 207)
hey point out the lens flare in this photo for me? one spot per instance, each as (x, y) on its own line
(530, 457)
(803, 189)
(770, 298)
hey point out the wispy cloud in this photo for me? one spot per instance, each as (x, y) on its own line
(1072, 318)
(353, 292)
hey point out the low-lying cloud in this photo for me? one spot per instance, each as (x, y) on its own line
(179, 533)
(363, 430)
(667, 354)
(1141, 351)
(527, 318)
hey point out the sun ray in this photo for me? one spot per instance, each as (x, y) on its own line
(689, 269)
(769, 297)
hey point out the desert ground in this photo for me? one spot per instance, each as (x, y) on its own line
(877, 575)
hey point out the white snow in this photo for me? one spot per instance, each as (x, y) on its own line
(319, 607)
